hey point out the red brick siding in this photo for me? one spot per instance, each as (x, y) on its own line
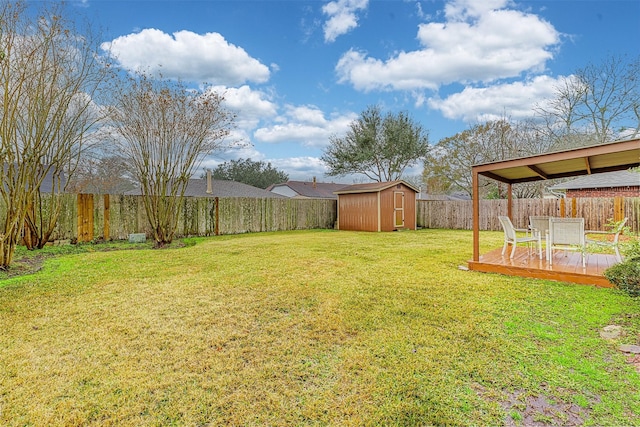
(605, 192)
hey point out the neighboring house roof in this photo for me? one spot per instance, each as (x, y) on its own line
(372, 187)
(220, 188)
(451, 197)
(309, 190)
(602, 180)
(47, 184)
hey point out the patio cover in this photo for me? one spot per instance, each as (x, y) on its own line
(614, 156)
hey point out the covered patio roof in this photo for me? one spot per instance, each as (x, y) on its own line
(614, 156)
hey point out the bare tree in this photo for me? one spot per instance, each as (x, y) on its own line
(448, 166)
(103, 174)
(49, 74)
(165, 130)
(449, 162)
(598, 103)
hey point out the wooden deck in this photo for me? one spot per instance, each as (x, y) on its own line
(567, 266)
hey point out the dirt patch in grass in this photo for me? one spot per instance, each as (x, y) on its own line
(539, 410)
(23, 266)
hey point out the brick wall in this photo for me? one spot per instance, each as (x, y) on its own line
(605, 192)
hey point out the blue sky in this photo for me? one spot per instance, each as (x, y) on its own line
(297, 72)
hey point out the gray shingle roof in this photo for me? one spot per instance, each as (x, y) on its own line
(319, 190)
(48, 180)
(197, 187)
(602, 180)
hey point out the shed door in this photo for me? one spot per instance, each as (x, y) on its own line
(398, 208)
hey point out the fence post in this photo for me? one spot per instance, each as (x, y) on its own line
(105, 231)
(216, 228)
(618, 208)
(85, 217)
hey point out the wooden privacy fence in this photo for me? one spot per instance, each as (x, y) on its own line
(86, 216)
(596, 212)
(115, 217)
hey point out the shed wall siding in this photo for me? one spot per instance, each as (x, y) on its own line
(387, 219)
(387, 209)
(358, 212)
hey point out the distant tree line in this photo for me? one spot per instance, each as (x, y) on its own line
(256, 173)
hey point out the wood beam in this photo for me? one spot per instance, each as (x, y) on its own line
(495, 177)
(538, 171)
(587, 165)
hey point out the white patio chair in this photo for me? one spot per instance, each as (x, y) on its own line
(511, 238)
(540, 225)
(566, 234)
(609, 243)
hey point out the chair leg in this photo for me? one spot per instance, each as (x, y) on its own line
(539, 247)
(504, 247)
(513, 251)
(618, 256)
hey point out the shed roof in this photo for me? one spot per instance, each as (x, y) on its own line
(373, 187)
(602, 180)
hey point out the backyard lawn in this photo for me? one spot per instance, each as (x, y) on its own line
(310, 328)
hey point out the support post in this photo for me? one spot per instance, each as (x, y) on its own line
(510, 201)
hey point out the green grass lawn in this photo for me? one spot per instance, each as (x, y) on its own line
(309, 328)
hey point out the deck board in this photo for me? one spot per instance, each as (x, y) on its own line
(566, 267)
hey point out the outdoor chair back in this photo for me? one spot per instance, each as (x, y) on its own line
(567, 234)
(539, 224)
(609, 243)
(511, 238)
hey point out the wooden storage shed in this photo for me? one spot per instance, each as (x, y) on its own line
(378, 206)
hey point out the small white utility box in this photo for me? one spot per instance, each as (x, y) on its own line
(137, 238)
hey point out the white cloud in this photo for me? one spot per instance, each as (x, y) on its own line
(300, 168)
(516, 100)
(188, 56)
(342, 17)
(459, 10)
(478, 42)
(250, 105)
(305, 125)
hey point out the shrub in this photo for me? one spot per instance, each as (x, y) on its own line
(631, 249)
(626, 276)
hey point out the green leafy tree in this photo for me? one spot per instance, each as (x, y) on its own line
(258, 174)
(379, 147)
